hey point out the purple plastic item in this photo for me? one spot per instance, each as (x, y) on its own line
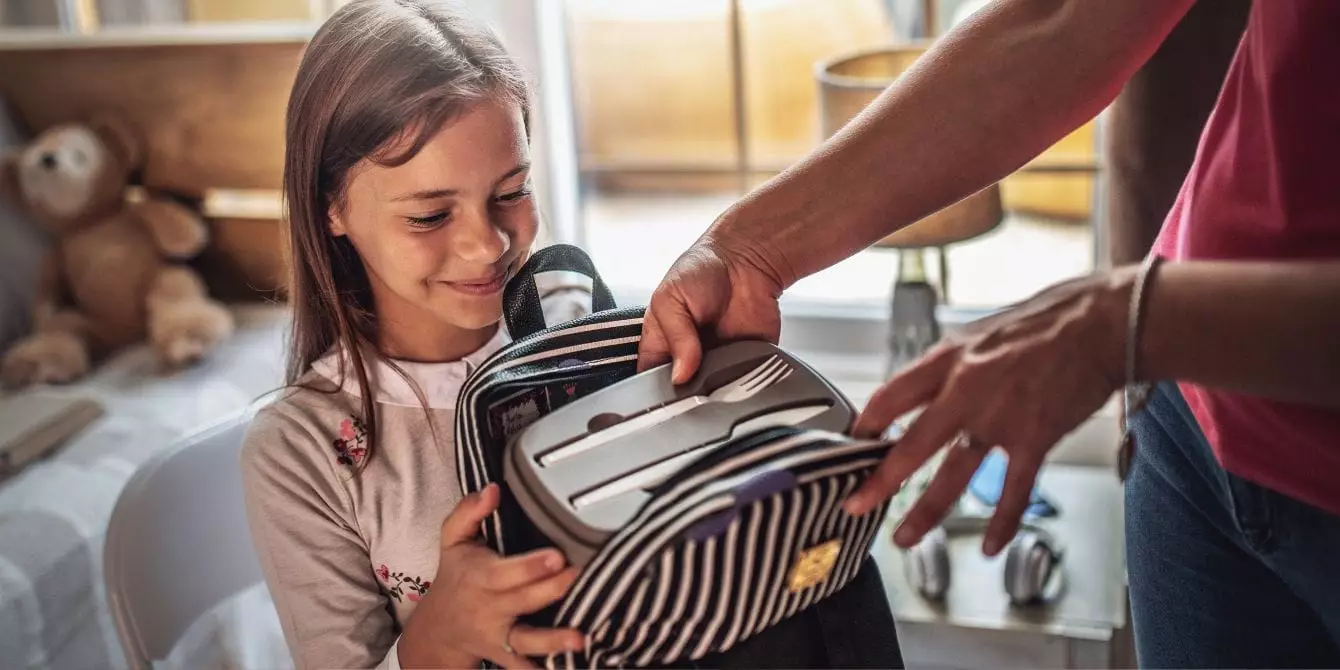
(751, 491)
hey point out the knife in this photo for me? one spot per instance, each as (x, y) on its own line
(623, 428)
(652, 475)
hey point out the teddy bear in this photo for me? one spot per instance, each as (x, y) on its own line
(115, 274)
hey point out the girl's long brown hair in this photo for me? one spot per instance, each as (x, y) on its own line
(377, 74)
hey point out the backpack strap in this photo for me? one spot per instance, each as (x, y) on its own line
(521, 298)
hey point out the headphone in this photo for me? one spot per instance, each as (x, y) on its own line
(1033, 573)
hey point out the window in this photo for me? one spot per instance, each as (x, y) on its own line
(662, 147)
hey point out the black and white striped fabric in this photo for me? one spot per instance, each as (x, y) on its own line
(714, 558)
(536, 374)
(736, 542)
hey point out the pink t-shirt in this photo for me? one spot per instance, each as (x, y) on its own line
(1266, 185)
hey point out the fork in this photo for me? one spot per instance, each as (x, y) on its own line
(744, 387)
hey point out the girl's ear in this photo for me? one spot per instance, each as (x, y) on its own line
(336, 223)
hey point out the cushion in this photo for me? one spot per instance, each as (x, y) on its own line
(22, 246)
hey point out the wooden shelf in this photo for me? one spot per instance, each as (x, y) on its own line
(207, 101)
(185, 34)
(260, 204)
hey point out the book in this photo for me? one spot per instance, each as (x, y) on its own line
(35, 423)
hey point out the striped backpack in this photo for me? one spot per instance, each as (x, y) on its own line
(721, 548)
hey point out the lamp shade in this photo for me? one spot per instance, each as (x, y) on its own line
(848, 84)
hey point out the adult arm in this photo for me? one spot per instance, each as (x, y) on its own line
(985, 99)
(1024, 378)
(1262, 328)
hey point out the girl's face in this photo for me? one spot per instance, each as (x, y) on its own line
(441, 234)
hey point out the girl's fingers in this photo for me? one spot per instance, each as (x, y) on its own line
(529, 641)
(462, 525)
(537, 595)
(952, 477)
(510, 573)
(509, 661)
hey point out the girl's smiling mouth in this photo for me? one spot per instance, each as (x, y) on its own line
(482, 286)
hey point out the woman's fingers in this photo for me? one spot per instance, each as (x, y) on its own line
(1020, 476)
(536, 596)
(674, 332)
(912, 387)
(953, 475)
(514, 572)
(652, 349)
(530, 641)
(462, 525)
(931, 431)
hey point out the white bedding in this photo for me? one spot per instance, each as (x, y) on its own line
(54, 514)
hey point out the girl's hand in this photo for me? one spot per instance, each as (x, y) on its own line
(470, 613)
(1019, 380)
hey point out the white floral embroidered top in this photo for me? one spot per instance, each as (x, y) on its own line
(346, 558)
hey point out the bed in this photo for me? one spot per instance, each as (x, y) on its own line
(54, 513)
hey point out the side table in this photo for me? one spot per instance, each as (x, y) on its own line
(975, 626)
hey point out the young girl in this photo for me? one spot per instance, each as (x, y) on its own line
(407, 181)
(410, 207)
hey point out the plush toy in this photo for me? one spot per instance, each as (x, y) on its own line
(115, 275)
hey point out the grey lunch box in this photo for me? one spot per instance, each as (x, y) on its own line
(582, 472)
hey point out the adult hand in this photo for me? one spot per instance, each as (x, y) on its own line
(715, 292)
(477, 595)
(1019, 380)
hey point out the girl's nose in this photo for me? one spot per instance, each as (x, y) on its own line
(479, 241)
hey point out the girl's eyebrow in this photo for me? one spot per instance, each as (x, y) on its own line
(429, 194)
(434, 193)
(521, 167)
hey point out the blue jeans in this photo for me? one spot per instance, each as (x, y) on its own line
(1223, 573)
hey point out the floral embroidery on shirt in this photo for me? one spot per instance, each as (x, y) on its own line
(349, 446)
(401, 586)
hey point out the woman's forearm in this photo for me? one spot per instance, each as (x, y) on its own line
(984, 100)
(1270, 329)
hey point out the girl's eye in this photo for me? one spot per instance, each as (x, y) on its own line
(514, 197)
(427, 221)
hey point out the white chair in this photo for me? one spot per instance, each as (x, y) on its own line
(178, 541)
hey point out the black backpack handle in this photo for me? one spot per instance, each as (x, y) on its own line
(521, 298)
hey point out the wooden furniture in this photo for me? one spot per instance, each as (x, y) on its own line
(975, 627)
(689, 82)
(249, 255)
(208, 101)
